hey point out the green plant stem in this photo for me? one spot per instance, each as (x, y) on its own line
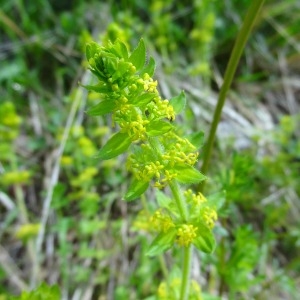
(185, 281)
(177, 194)
(186, 265)
(237, 51)
(183, 211)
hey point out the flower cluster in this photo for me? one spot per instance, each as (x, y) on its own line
(161, 221)
(186, 234)
(201, 208)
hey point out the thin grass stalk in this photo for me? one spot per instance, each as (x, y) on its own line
(237, 51)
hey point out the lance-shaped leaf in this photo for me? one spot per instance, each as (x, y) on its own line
(187, 174)
(91, 50)
(98, 88)
(138, 56)
(136, 189)
(159, 127)
(101, 108)
(143, 99)
(162, 199)
(115, 146)
(149, 68)
(217, 200)
(163, 242)
(120, 49)
(178, 102)
(196, 139)
(205, 241)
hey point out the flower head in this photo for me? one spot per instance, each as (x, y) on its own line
(185, 234)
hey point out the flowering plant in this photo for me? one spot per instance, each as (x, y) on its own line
(159, 156)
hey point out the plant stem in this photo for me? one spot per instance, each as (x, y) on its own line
(185, 281)
(186, 264)
(237, 51)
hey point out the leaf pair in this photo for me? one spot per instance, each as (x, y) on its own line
(164, 241)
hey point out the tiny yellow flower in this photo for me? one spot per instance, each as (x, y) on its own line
(161, 221)
(87, 147)
(15, 177)
(66, 160)
(209, 216)
(185, 234)
(27, 231)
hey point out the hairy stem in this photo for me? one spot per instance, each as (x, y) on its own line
(237, 51)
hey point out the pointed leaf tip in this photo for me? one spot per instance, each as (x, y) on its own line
(115, 146)
(138, 56)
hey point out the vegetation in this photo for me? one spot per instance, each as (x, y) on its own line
(82, 223)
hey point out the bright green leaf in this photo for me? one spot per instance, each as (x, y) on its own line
(205, 242)
(115, 146)
(101, 108)
(149, 68)
(196, 139)
(159, 127)
(163, 242)
(121, 49)
(138, 56)
(91, 50)
(136, 189)
(178, 102)
(143, 99)
(187, 174)
(98, 88)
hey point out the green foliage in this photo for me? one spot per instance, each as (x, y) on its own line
(43, 292)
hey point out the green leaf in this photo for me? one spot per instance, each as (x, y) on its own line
(196, 139)
(149, 68)
(143, 99)
(101, 108)
(136, 189)
(138, 56)
(217, 200)
(43, 292)
(159, 127)
(98, 88)
(187, 174)
(205, 242)
(122, 69)
(91, 49)
(178, 102)
(163, 242)
(121, 49)
(115, 146)
(162, 199)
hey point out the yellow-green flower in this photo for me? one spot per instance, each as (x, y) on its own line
(66, 160)
(27, 231)
(161, 221)
(15, 177)
(209, 216)
(185, 234)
